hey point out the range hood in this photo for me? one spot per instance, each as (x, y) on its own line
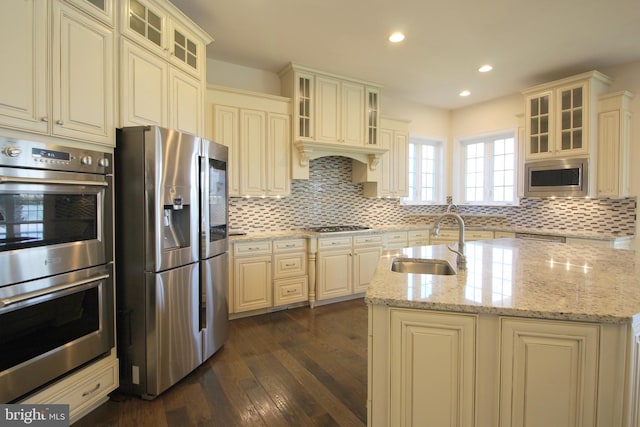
(306, 150)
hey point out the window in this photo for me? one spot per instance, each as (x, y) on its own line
(489, 166)
(424, 170)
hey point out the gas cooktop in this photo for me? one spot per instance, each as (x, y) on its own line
(337, 228)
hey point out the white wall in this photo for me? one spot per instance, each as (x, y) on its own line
(240, 77)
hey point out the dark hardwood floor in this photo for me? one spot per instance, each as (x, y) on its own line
(298, 367)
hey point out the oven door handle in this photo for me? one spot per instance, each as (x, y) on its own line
(12, 179)
(53, 289)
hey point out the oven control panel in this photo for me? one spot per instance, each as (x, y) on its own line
(38, 155)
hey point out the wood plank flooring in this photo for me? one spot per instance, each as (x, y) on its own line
(298, 367)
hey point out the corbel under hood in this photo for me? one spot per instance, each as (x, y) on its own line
(307, 150)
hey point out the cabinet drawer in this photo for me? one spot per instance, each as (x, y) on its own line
(334, 242)
(478, 235)
(503, 234)
(287, 265)
(289, 245)
(82, 391)
(369, 240)
(252, 248)
(287, 291)
(420, 235)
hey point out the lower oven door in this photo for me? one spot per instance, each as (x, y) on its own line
(51, 326)
(52, 222)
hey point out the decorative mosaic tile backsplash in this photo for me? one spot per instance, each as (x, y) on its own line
(329, 197)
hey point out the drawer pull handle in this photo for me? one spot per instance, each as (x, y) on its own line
(253, 249)
(289, 246)
(290, 291)
(289, 265)
(93, 390)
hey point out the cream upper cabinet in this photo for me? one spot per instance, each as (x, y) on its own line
(390, 179)
(162, 76)
(614, 144)
(223, 124)
(156, 26)
(144, 79)
(561, 116)
(102, 10)
(185, 102)
(331, 108)
(264, 153)
(257, 130)
(82, 77)
(78, 58)
(24, 87)
(340, 112)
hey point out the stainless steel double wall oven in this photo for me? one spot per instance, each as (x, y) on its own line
(56, 256)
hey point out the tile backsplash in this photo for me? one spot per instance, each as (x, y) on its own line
(329, 197)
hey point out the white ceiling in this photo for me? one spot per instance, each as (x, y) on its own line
(527, 42)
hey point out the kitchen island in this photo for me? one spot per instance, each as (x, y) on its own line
(530, 334)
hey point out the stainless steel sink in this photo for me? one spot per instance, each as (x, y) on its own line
(422, 266)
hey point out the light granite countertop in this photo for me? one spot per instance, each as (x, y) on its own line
(518, 277)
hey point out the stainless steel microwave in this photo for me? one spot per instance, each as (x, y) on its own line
(557, 178)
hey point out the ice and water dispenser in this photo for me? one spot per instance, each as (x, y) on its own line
(177, 223)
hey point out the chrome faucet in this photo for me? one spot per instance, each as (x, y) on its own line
(461, 260)
(451, 207)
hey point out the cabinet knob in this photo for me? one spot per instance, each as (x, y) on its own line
(44, 119)
(59, 122)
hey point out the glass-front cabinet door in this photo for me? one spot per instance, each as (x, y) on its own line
(373, 115)
(539, 124)
(304, 95)
(571, 118)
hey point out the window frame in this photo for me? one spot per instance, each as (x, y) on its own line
(438, 173)
(489, 139)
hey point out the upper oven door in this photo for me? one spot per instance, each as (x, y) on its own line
(52, 222)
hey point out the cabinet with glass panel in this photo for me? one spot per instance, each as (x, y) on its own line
(561, 116)
(163, 58)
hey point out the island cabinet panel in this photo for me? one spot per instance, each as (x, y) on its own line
(433, 359)
(548, 374)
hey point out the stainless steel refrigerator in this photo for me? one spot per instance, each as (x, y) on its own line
(171, 255)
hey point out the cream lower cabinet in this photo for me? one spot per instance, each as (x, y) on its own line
(452, 236)
(419, 237)
(395, 240)
(252, 282)
(548, 373)
(431, 368)
(84, 390)
(366, 254)
(335, 266)
(290, 280)
(268, 273)
(346, 264)
(432, 377)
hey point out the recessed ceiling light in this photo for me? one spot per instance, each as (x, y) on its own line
(396, 37)
(465, 93)
(485, 68)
